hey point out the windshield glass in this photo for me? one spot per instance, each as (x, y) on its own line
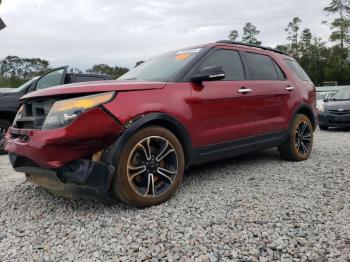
(163, 67)
(320, 95)
(342, 95)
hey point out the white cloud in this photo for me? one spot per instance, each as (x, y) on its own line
(84, 32)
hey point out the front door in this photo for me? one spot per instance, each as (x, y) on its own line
(224, 110)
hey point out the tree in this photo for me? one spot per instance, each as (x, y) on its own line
(139, 63)
(341, 24)
(250, 34)
(22, 68)
(292, 30)
(233, 36)
(75, 71)
(115, 72)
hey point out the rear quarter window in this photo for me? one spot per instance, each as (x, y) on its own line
(297, 69)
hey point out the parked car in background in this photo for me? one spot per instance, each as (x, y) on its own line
(326, 92)
(9, 97)
(132, 139)
(336, 111)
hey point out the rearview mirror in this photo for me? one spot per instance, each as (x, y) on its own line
(209, 73)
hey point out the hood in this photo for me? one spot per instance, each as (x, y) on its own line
(95, 87)
(338, 104)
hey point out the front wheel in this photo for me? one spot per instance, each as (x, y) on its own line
(4, 125)
(150, 167)
(298, 146)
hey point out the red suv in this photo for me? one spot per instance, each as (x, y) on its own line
(132, 139)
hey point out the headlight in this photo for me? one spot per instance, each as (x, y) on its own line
(66, 111)
(320, 107)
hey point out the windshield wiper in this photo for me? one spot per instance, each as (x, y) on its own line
(133, 78)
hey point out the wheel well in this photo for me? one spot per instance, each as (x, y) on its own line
(307, 111)
(177, 131)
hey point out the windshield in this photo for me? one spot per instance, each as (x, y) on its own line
(320, 95)
(163, 67)
(342, 95)
(20, 88)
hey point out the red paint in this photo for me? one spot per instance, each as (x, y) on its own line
(90, 133)
(212, 113)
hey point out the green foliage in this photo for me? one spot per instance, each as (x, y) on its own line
(249, 35)
(139, 63)
(15, 70)
(233, 36)
(115, 72)
(341, 24)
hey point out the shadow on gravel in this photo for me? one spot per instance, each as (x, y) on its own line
(233, 162)
(26, 193)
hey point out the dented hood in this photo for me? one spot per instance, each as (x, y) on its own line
(95, 87)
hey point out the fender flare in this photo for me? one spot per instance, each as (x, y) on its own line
(307, 110)
(112, 154)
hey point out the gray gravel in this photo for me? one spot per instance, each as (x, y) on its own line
(251, 208)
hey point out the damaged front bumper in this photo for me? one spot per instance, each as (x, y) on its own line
(60, 160)
(79, 179)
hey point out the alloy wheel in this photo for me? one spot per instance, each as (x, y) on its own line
(303, 138)
(152, 166)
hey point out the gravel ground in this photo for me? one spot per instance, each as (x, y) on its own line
(251, 208)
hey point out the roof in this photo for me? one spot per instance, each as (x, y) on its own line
(251, 45)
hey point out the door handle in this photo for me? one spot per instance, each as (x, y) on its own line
(244, 90)
(289, 88)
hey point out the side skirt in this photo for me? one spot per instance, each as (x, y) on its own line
(229, 149)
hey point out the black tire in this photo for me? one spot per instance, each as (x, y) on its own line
(132, 188)
(323, 127)
(4, 125)
(298, 146)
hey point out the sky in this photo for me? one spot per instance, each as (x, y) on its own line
(81, 33)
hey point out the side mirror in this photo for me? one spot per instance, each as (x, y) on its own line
(209, 73)
(325, 100)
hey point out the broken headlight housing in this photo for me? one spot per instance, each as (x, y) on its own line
(66, 111)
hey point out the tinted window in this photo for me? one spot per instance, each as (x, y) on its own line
(261, 67)
(297, 69)
(81, 78)
(280, 74)
(230, 61)
(51, 79)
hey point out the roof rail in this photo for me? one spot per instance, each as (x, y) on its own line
(251, 45)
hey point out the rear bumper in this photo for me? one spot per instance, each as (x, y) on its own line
(51, 149)
(327, 119)
(78, 179)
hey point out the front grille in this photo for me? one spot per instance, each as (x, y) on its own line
(337, 112)
(33, 114)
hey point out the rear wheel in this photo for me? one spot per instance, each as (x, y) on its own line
(300, 139)
(324, 127)
(150, 167)
(4, 125)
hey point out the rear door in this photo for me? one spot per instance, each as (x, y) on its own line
(222, 112)
(272, 92)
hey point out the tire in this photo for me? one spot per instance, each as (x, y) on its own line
(324, 127)
(137, 180)
(298, 146)
(4, 125)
